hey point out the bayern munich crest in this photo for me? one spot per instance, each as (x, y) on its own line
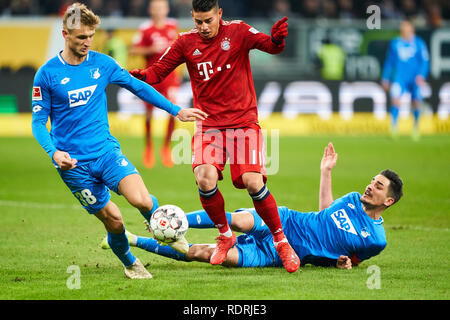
(225, 45)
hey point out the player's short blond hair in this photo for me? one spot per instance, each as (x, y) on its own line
(78, 14)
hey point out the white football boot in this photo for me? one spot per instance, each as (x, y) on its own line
(137, 271)
(181, 245)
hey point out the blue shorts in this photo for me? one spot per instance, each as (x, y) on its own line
(90, 183)
(398, 88)
(256, 248)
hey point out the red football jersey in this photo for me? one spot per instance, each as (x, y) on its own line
(219, 68)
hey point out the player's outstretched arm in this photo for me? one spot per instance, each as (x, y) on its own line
(327, 164)
(273, 43)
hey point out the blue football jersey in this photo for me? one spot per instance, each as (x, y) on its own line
(341, 229)
(74, 98)
(405, 60)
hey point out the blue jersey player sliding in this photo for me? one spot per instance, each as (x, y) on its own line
(405, 70)
(343, 233)
(70, 89)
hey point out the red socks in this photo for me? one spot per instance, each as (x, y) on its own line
(267, 209)
(214, 205)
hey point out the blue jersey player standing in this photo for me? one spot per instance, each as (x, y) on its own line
(70, 89)
(343, 233)
(405, 69)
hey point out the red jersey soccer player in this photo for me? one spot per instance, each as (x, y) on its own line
(152, 40)
(216, 53)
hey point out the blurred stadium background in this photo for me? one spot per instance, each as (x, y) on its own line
(295, 95)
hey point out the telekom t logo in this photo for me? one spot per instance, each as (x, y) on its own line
(205, 70)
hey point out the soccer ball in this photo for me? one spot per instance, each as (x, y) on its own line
(168, 223)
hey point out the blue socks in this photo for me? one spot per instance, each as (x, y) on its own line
(148, 214)
(151, 245)
(394, 114)
(199, 219)
(416, 114)
(119, 245)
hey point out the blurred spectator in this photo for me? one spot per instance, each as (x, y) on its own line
(137, 8)
(233, 9)
(408, 8)
(331, 60)
(346, 9)
(310, 9)
(182, 8)
(113, 8)
(97, 6)
(280, 9)
(434, 16)
(115, 47)
(24, 7)
(257, 8)
(330, 9)
(389, 10)
(412, 12)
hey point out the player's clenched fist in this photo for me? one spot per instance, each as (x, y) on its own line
(344, 262)
(64, 161)
(280, 30)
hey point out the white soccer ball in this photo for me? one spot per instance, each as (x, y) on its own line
(168, 223)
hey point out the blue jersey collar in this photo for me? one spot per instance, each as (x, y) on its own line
(64, 62)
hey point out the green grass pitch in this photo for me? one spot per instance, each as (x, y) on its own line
(44, 230)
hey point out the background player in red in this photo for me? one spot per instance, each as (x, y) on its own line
(152, 40)
(216, 54)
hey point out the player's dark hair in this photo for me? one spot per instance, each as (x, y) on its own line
(395, 186)
(204, 5)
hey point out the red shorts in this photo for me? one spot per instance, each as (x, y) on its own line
(165, 87)
(243, 148)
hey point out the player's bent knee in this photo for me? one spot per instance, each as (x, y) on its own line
(254, 186)
(207, 179)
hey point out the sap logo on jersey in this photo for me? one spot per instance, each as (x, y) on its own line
(342, 221)
(81, 96)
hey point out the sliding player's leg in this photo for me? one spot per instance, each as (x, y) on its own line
(200, 219)
(241, 220)
(254, 249)
(196, 252)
